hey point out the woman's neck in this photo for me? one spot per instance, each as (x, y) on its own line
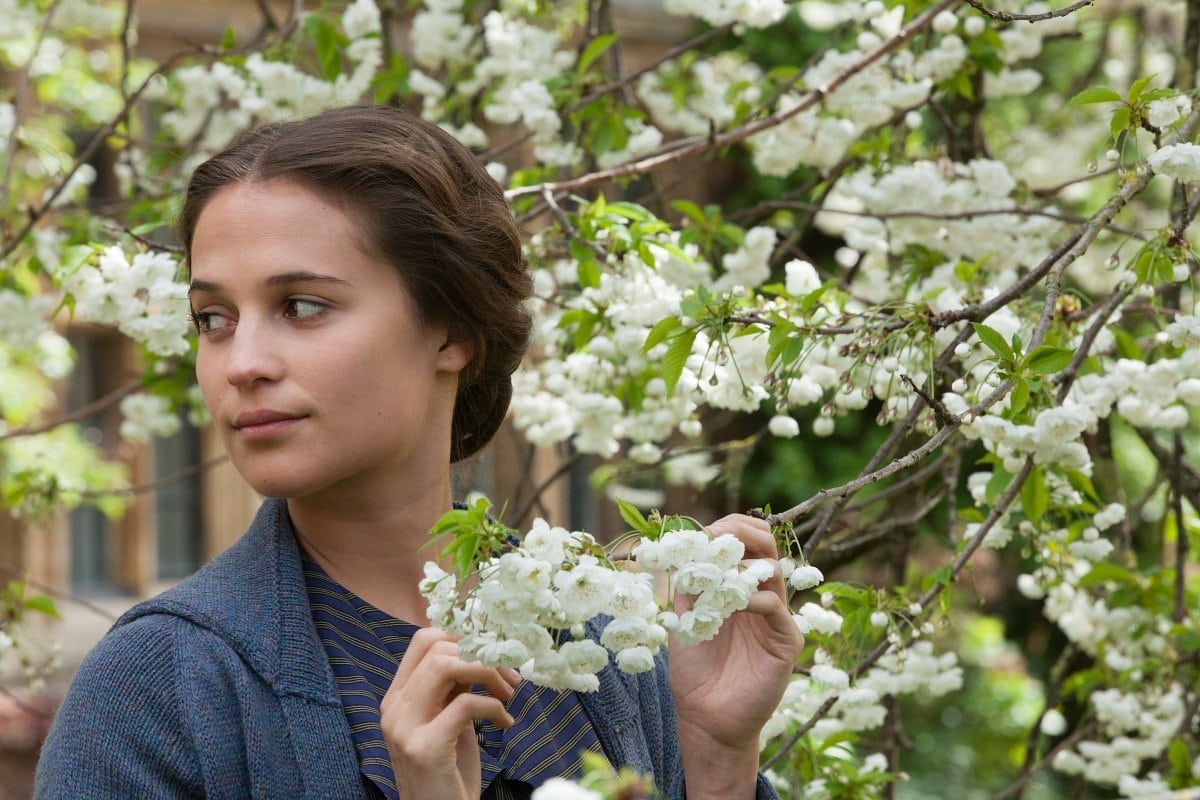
(376, 549)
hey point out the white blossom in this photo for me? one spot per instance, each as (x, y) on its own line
(1178, 161)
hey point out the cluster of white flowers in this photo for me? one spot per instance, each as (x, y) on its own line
(215, 102)
(751, 13)
(58, 466)
(1166, 111)
(715, 87)
(559, 580)
(147, 416)
(907, 670)
(1138, 726)
(19, 24)
(509, 64)
(927, 189)
(1156, 395)
(800, 577)
(563, 789)
(1180, 162)
(141, 298)
(902, 671)
(23, 318)
(569, 394)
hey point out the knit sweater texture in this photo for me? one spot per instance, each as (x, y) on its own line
(220, 688)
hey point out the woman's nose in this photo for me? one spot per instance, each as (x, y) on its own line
(253, 355)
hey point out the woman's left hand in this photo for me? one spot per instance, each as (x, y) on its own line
(725, 689)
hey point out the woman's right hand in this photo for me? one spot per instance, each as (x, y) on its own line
(427, 715)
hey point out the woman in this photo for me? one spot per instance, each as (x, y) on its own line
(358, 287)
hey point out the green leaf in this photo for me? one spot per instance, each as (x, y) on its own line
(1081, 683)
(595, 48)
(146, 228)
(689, 209)
(1108, 572)
(1177, 755)
(328, 43)
(1020, 396)
(940, 576)
(633, 518)
(1139, 86)
(643, 248)
(993, 340)
(659, 333)
(996, 485)
(1127, 344)
(393, 81)
(1047, 359)
(676, 357)
(1095, 94)
(587, 271)
(228, 39)
(1158, 94)
(73, 259)
(1035, 496)
(630, 211)
(43, 604)
(1083, 483)
(1119, 122)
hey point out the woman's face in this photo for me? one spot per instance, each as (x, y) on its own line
(312, 361)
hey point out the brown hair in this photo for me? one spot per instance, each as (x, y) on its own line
(424, 204)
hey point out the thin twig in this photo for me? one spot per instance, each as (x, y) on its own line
(1005, 16)
(161, 483)
(944, 415)
(536, 498)
(79, 414)
(1050, 191)
(1019, 785)
(46, 588)
(26, 706)
(900, 486)
(1180, 611)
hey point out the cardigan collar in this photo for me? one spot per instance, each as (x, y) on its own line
(253, 597)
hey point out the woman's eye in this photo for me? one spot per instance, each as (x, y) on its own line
(299, 308)
(208, 322)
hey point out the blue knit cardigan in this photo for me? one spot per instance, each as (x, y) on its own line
(219, 688)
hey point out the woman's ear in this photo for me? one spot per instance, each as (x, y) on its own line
(455, 353)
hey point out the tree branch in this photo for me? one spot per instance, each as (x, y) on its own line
(1005, 16)
(79, 414)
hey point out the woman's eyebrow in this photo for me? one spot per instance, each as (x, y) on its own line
(281, 279)
(303, 276)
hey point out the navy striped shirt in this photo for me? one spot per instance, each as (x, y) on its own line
(365, 645)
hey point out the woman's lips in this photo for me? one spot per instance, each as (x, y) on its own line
(256, 426)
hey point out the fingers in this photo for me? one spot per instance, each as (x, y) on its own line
(759, 541)
(432, 690)
(778, 617)
(755, 534)
(432, 666)
(428, 713)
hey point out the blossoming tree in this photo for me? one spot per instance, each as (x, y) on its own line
(962, 229)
